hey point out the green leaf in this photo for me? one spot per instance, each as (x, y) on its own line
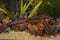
(27, 6)
(21, 7)
(5, 11)
(32, 13)
(49, 3)
(24, 8)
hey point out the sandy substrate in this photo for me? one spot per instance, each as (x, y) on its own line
(25, 36)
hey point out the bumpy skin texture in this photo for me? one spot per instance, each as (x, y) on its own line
(21, 27)
(37, 26)
(44, 26)
(36, 29)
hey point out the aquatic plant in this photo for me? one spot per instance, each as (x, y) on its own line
(24, 7)
(33, 11)
(8, 13)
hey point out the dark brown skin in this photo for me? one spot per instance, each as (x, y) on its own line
(44, 25)
(37, 26)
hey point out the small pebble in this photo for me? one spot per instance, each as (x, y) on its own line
(6, 20)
